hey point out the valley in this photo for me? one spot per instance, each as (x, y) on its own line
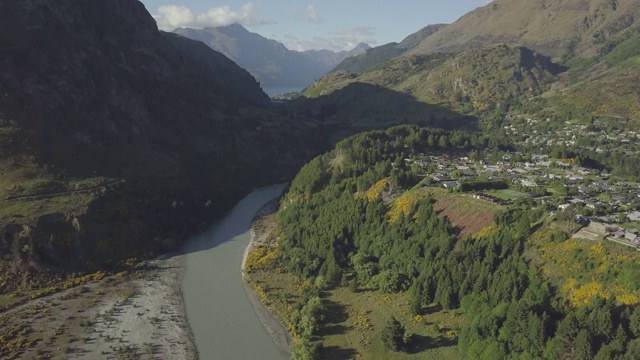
(469, 192)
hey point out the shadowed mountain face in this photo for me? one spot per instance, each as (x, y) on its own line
(118, 140)
(361, 106)
(268, 60)
(417, 37)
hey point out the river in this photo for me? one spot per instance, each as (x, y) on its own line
(224, 323)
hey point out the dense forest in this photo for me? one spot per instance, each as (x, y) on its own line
(359, 217)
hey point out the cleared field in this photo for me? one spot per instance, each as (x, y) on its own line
(467, 214)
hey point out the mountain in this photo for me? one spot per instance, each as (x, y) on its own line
(432, 89)
(118, 140)
(379, 54)
(417, 37)
(551, 27)
(268, 60)
(329, 59)
(595, 41)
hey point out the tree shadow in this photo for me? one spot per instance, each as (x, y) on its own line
(335, 329)
(431, 309)
(335, 316)
(420, 343)
(335, 352)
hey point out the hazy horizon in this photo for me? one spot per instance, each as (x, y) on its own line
(329, 25)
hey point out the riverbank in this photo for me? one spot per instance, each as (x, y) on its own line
(260, 231)
(139, 315)
(152, 320)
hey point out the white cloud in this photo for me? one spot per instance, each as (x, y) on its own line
(336, 41)
(310, 15)
(170, 17)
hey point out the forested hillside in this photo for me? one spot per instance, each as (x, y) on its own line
(359, 235)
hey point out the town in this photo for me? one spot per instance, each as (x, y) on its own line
(600, 205)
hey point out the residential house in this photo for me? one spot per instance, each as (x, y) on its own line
(563, 207)
(451, 184)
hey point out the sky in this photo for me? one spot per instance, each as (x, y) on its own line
(327, 24)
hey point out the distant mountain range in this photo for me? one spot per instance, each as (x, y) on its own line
(269, 61)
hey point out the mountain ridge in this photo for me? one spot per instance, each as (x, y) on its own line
(552, 28)
(379, 54)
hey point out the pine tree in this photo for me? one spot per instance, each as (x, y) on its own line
(344, 280)
(392, 335)
(353, 285)
(583, 345)
(416, 300)
(634, 322)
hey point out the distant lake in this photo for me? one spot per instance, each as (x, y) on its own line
(272, 91)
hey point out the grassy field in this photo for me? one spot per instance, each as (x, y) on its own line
(506, 194)
(355, 321)
(630, 225)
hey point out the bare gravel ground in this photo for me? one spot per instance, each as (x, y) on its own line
(124, 316)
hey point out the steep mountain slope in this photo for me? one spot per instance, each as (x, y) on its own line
(380, 54)
(118, 141)
(369, 59)
(551, 27)
(473, 81)
(417, 37)
(601, 87)
(268, 60)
